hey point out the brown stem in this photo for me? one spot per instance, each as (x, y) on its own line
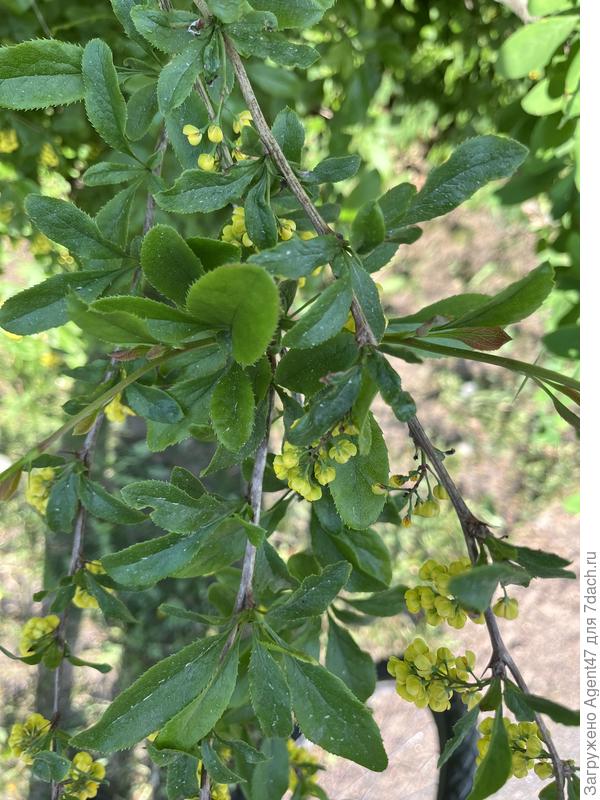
(473, 531)
(204, 784)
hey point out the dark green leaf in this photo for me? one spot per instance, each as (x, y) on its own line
(324, 318)
(199, 192)
(169, 263)
(141, 109)
(165, 30)
(346, 660)
(269, 693)
(495, 769)
(110, 606)
(338, 168)
(313, 596)
(295, 14)
(254, 36)
(329, 715)
(198, 718)
(104, 103)
(474, 589)
(297, 257)
(218, 771)
(261, 223)
(40, 73)
(382, 604)
(461, 731)
(368, 227)
(63, 502)
(49, 766)
(177, 78)
(390, 387)
(105, 506)
(561, 714)
(301, 370)
(174, 509)
(289, 133)
(153, 403)
(232, 408)
(475, 163)
(155, 697)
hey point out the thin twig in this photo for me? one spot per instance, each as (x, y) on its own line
(204, 784)
(244, 597)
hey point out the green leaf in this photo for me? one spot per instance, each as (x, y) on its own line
(297, 257)
(382, 604)
(153, 403)
(351, 490)
(475, 163)
(122, 10)
(145, 563)
(49, 766)
(475, 588)
(63, 502)
(493, 697)
(294, 13)
(564, 341)
(227, 11)
(141, 109)
(346, 660)
(515, 701)
(557, 712)
(174, 510)
(460, 732)
(45, 306)
(155, 697)
(390, 386)
(232, 408)
(103, 505)
(212, 253)
(68, 225)
(252, 36)
(269, 693)
(540, 101)
(329, 715)
(108, 174)
(114, 217)
(242, 297)
(177, 78)
(313, 597)
(117, 327)
(218, 771)
(40, 73)
(271, 777)
(104, 103)
(513, 304)
(199, 192)
(324, 317)
(301, 370)
(169, 263)
(111, 607)
(368, 227)
(165, 30)
(218, 548)
(367, 297)
(261, 223)
(327, 407)
(495, 769)
(197, 719)
(333, 170)
(289, 133)
(368, 554)
(531, 47)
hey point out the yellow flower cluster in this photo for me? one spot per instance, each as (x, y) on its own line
(307, 469)
(84, 777)
(40, 245)
(38, 488)
(116, 411)
(36, 628)
(214, 133)
(48, 157)
(525, 744)
(437, 605)
(428, 678)
(82, 598)
(235, 232)
(9, 141)
(29, 737)
(300, 761)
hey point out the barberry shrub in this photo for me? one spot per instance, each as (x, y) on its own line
(248, 317)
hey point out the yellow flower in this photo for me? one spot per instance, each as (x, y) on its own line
(84, 776)
(40, 245)
(36, 628)
(287, 228)
(242, 120)
(429, 508)
(50, 359)
(48, 156)
(324, 474)
(215, 134)
(38, 488)
(342, 451)
(9, 141)
(28, 738)
(238, 155)
(207, 162)
(194, 135)
(506, 608)
(406, 522)
(440, 492)
(379, 488)
(306, 235)
(116, 411)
